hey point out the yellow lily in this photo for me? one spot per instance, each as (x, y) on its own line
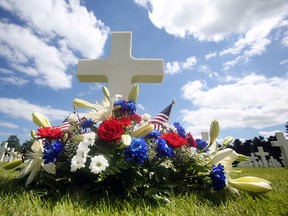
(40, 120)
(82, 103)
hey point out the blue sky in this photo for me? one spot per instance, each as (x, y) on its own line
(224, 60)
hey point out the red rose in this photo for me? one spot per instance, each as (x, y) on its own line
(110, 130)
(125, 122)
(50, 133)
(190, 140)
(174, 139)
(136, 118)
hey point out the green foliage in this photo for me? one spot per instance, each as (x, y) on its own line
(18, 200)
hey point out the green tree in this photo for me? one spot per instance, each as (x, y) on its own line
(14, 142)
(27, 145)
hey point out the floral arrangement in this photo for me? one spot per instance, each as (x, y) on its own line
(113, 149)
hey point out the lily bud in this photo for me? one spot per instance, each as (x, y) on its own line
(227, 140)
(82, 103)
(40, 120)
(13, 164)
(242, 158)
(251, 184)
(33, 134)
(134, 92)
(106, 92)
(78, 138)
(214, 131)
(125, 140)
(143, 130)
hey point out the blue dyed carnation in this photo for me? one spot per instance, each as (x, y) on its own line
(87, 123)
(201, 144)
(163, 149)
(137, 150)
(51, 151)
(218, 177)
(181, 131)
(129, 106)
(154, 134)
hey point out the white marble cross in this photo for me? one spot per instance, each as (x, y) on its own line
(282, 143)
(3, 150)
(262, 155)
(121, 69)
(254, 159)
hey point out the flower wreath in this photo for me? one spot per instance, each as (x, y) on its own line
(114, 149)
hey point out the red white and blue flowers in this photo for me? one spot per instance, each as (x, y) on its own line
(112, 148)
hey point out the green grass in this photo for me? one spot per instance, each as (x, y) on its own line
(17, 200)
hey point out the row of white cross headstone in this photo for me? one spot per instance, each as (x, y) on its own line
(259, 159)
(7, 154)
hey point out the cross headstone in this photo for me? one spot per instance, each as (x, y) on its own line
(121, 69)
(11, 154)
(3, 151)
(254, 159)
(282, 143)
(282, 160)
(262, 155)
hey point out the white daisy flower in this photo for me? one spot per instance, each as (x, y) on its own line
(98, 164)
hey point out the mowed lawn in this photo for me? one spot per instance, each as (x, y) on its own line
(17, 200)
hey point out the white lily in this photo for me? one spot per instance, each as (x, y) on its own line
(34, 165)
(102, 112)
(248, 183)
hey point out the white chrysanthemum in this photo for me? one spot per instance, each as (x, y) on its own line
(89, 138)
(98, 164)
(77, 163)
(146, 117)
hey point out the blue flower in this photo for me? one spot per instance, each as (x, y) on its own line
(163, 149)
(154, 134)
(201, 144)
(51, 151)
(218, 177)
(137, 150)
(129, 106)
(87, 123)
(181, 131)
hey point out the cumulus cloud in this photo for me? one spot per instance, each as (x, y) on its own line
(254, 101)
(212, 20)
(176, 66)
(20, 108)
(51, 35)
(210, 55)
(8, 124)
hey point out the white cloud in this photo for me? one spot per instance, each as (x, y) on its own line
(52, 34)
(8, 124)
(212, 20)
(64, 19)
(255, 101)
(19, 108)
(210, 55)
(14, 80)
(285, 39)
(176, 67)
(205, 69)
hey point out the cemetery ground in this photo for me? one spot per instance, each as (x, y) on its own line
(15, 199)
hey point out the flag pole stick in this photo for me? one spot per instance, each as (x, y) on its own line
(172, 104)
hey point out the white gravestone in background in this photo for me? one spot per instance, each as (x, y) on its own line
(282, 143)
(121, 69)
(3, 151)
(254, 159)
(262, 155)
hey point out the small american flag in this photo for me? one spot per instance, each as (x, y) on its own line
(163, 117)
(64, 125)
